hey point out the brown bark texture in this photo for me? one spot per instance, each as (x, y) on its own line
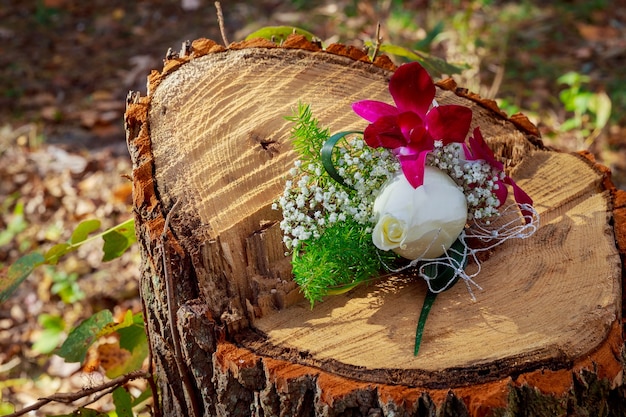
(229, 332)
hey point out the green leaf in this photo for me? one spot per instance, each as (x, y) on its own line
(342, 289)
(438, 67)
(123, 402)
(567, 98)
(279, 33)
(47, 341)
(421, 322)
(18, 272)
(51, 336)
(82, 336)
(396, 50)
(114, 327)
(6, 408)
(132, 338)
(51, 321)
(15, 226)
(435, 66)
(570, 124)
(83, 230)
(425, 43)
(118, 239)
(133, 335)
(600, 104)
(573, 79)
(581, 102)
(66, 287)
(131, 330)
(57, 251)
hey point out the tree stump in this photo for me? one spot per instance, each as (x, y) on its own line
(211, 148)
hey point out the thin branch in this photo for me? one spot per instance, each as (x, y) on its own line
(70, 397)
(98, 396)
(378, 41)
(168, 217)
(220, 21)
(169, 289)
(151, 382)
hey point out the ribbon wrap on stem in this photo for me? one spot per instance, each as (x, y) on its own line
(327, 156)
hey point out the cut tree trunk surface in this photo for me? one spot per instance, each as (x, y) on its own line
(212, 137)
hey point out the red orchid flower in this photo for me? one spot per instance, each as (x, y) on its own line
(478, 149)
(412, 126)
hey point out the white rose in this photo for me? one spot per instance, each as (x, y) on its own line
(419, 222)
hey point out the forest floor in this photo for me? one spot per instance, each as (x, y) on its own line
(67, 66)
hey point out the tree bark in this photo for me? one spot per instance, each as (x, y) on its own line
(210, 150)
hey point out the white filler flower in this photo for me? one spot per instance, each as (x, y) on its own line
(422, 222)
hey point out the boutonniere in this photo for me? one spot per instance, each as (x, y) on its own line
(415, 192)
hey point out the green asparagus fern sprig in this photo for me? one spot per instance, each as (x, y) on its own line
(340, 259)
(308, 137)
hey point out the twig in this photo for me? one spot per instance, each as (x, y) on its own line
(497, 80)
(70, 397)
(378, 41)
(220, 21)
(168, 218)
(151, 383)
(169, 289)
(98, 396)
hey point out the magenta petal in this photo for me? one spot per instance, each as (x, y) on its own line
(501, 192)
(413, 166)
(412, 88)
(521, 198)
(412, 126)
(372, 110)
(449, 123)
(384, 133)
(480, 150)
(520, 195)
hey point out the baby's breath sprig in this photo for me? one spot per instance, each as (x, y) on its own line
(478, 179)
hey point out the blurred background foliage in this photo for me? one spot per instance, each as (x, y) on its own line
(67, 66)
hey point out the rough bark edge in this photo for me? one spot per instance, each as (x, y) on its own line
(618, 200)
(588, 386)
(201, 47)
(149, 223)
(464, 376)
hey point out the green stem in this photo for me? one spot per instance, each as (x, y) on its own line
(428, 303)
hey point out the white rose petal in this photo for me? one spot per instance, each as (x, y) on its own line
(389, 232)
(419, 222)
